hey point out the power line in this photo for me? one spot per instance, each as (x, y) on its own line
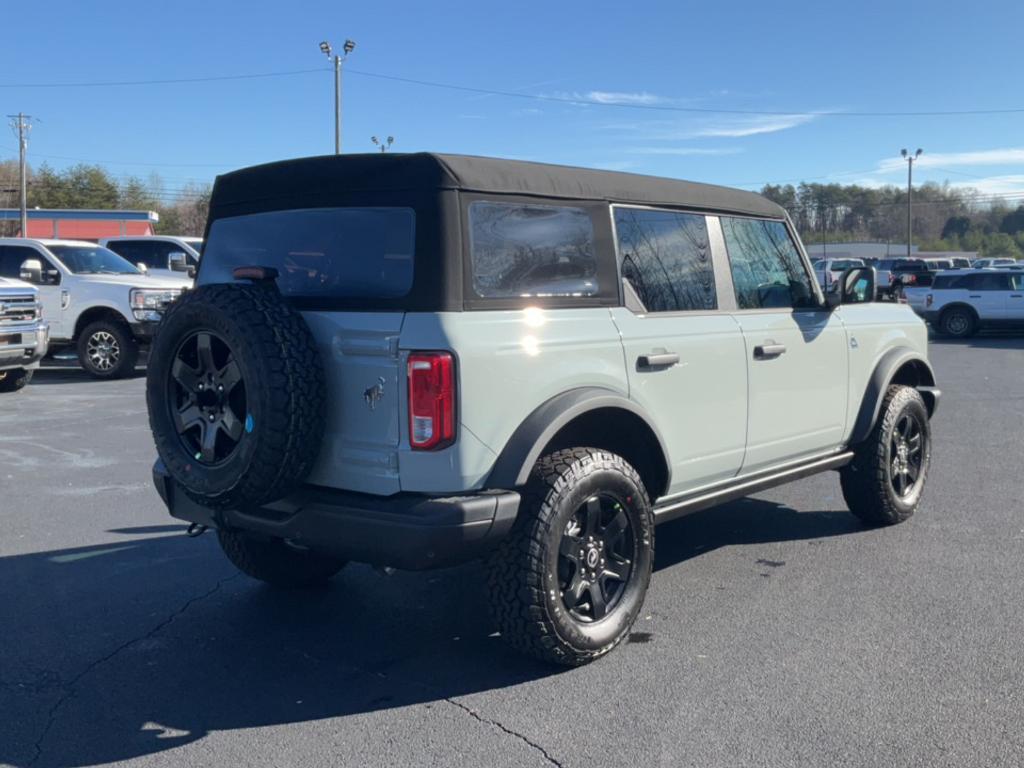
(589, 101)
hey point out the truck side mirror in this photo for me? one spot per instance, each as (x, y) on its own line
(32, 271)
(142, 267)
(857, 285)
(178, 261)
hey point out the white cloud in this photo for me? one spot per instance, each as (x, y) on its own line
(633, 98)
(683, 151)
(1009, 156)
(1009, 184)
(753, 125)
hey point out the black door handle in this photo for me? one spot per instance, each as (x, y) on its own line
(769, 350)
(657, 360)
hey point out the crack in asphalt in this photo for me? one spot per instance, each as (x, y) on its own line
(69, 687)
(494, 723)
(459, 705)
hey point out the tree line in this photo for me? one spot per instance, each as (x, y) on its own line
(945, 218)
(183, 210)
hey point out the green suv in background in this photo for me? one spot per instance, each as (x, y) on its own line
(416, 360)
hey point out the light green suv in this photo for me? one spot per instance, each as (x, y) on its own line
(416, 360)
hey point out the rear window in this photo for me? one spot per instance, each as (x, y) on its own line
(318, 252)
(526, 250)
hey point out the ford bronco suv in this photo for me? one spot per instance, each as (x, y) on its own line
(24, 336)
(416, 360)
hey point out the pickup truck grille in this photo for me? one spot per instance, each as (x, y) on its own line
(16, 310)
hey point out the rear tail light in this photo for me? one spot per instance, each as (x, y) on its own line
(431, 400)
(910, 279)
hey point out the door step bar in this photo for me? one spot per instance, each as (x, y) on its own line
(747, 486)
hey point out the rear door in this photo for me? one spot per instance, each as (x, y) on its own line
(684, 355)
(989, 294)
(795, 350)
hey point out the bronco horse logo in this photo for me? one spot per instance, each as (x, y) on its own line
(372, 395)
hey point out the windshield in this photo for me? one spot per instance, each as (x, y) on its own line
(92, 260)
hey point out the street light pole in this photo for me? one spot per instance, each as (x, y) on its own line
(347, 48)
(910, 158)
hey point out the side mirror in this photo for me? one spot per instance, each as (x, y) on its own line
(32, 271)
(857, 285)
(178, 261)
(142, 267)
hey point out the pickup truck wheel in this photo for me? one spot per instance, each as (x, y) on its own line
(884, 482)
(568, 581)
(107, 349)
(236, 394)
(275, 561)
(958, 322)
(14, 380)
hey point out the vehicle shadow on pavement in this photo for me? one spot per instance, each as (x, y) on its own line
(73, 375)
(747, 521)
(142, 645)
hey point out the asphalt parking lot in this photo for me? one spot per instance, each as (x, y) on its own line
(777, 632)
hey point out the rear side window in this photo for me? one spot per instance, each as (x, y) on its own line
(318, 252)
(766, 266)
(525, 250)
(664, 256)
(948, 281)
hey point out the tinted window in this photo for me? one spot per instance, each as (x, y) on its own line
(318, 252)
(531, 250)
(766, 266)
(665, 257)
(12, 256)
(948, 281)
(994, 281)
(92, 260)
(153, 253)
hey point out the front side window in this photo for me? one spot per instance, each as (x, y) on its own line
(528, 250)
(353, 253)
(767, 270)
(13, 256)
(665, 257)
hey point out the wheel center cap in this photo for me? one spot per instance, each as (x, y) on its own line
(593, 558)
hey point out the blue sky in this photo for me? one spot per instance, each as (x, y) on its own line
(777, 57)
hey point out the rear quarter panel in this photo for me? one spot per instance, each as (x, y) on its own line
(508, 363)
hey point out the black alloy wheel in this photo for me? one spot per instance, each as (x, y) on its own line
(208, 406)
(906, 454)
(595, 558)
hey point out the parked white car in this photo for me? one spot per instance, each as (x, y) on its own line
(835, 267)
(994, 262)
(94, 301)
(23, 334)
(162, 255)
(961, 303)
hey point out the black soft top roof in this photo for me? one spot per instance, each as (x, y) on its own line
(425, 171)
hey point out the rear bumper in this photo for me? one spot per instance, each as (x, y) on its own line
(408, 531)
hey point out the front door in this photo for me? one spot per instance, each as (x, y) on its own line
(796, 350)
(684, 355)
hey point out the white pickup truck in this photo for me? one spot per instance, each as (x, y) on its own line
(961, 303)
(24, 334)
(94, 301)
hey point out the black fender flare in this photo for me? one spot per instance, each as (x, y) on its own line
(883, 375)
(512, 468)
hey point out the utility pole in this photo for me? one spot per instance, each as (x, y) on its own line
(384, 145)
(325, 48)
(910, 158)
(22, 123)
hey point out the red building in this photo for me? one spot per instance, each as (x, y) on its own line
(70, 224)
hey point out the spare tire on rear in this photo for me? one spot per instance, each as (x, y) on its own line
(235, 389)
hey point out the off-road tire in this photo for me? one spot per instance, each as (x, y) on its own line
(958, 322)
(526, 602)
(127, 349)
(867, 480)
(285, 394)
(15, 379)
(276, 562)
